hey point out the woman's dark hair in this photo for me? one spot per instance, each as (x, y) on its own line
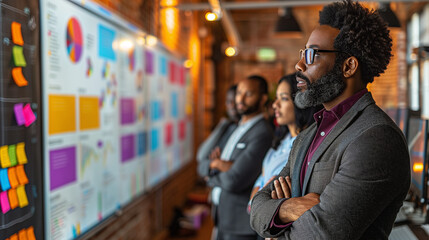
(363, 34)
(303, 117)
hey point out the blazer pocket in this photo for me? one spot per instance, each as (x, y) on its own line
(321, 176)
(322, 166)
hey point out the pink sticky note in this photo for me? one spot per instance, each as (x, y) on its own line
(28, 115)
(19, 115)
(5, 207)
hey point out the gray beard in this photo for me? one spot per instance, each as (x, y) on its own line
(323, 90)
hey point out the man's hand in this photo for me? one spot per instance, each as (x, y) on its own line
(282, 188)
(221, 165)
(293, 208)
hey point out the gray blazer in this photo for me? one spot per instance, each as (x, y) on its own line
(361, 171)
(237, 183)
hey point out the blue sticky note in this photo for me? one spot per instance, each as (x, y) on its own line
(4, 179)
(142, 142)
(154, 110)
(163, 65)
(106, 38)
(154, 139)
(174, 105)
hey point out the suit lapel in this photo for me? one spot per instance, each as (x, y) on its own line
(335, 132)
(306, 141)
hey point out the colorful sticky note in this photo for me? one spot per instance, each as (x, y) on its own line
(5, 207)
(13, 179)
(22, 196)
(12, 155)
(4, 179)
(19, 114)
(22, 234)
(22, 177)
(13, 198)
(16, 33)
(20, 152)
(18, 77)
(14, 237)
(18, 56)
(28, 115)
(30, 233)
(4, 156)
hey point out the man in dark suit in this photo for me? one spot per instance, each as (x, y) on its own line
(219, 135)
(239, 164)
(349, 172)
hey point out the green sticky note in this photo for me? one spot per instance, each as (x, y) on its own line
(18, 56)
(12, 155)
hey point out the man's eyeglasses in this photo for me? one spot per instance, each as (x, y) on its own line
(309, 53)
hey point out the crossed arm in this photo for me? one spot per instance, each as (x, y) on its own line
(371, 171)
(291, 209)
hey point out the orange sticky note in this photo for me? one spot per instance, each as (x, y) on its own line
(22, 196)
(16, 33)
(20, 153)
(14, 237)
(22, 177)
(18, 77)
(22, 234)
(13, 180)
(30, 233)
(13, 198)
(4, 156)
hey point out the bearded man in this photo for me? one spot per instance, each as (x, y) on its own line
(236, 168)
(349, 172)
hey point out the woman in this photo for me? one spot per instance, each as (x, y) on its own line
(291, 121)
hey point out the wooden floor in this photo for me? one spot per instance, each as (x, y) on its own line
(203, 233)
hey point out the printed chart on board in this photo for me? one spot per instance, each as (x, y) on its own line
(117, 116)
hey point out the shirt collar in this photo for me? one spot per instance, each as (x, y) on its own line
(340, 109)
(251, 121)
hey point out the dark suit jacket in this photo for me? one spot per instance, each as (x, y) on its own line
(221, 132)
(361, 171)
(237, 183)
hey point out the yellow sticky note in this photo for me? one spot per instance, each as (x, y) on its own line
(20, 152)
(89, 113)
(62, 114)
(13, 198)
(18, 77)
(13, 179)
(22, 196)
(30, 233)
(4, 155)
(22, 177)
(16, 33)
(22, 234)
(18, 56)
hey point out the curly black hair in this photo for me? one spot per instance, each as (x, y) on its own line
(363, 34)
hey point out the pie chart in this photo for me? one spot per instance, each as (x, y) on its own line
(74, 40)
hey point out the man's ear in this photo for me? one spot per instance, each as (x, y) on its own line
(264, 99)
(350, 66)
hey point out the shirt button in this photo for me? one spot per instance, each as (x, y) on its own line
(322, 134)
